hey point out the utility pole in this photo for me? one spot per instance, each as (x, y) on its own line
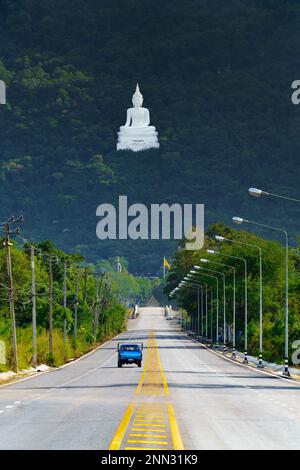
(33, 299)
(8, 244)
(50, 307)
(100, 293)
(65, 307)
(99, 284)
(96, 306)
(85, 283)
(119, 269)
(76, 306)
(105, 301)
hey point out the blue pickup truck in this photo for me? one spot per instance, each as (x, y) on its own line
(130, 354)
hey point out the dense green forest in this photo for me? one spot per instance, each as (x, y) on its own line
(273, 257)
(97, 296)
(216, 76)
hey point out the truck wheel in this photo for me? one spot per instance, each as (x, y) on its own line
(119, 364)
(140, 364)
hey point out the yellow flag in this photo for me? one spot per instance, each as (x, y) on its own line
(167, 264)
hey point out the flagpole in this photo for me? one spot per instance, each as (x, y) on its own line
(118, 271)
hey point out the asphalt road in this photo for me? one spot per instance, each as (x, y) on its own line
(183, 396)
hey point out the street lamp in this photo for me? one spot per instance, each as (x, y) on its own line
(193, 284)
(200, 289)
(206, 310)
(260, 193)
(190, 276)
(211, 312)
(224, 298)
(219, 238)
(213, 252)
(204, 260)
(217, 292)
(202, 301)
(176, 291)
(286, 348)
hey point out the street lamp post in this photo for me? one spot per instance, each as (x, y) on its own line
(286, 347)
(204, 260)
(224, 299)
(198, 287)
(189, 276)
(217, 296)
(206, 311)
(202, 306)
(221, 239)
(202, 311)
(198, 310)
(213, 252)
(211, 312)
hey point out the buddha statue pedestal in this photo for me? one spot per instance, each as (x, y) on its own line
(137, 134)
(137, 140)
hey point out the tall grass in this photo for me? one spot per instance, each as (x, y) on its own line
(114, 323)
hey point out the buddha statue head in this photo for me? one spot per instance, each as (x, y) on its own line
(137, 99)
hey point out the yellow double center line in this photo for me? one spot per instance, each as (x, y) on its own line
(149, 425)
(153, 380)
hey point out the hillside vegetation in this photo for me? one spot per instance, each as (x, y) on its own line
(216, 76)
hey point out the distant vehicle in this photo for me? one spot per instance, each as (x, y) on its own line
(169, 312)
(130, 354)
(135, 312)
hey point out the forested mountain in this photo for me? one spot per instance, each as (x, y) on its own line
(216, 76)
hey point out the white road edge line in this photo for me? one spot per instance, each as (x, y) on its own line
(243, 365)
(83, 375)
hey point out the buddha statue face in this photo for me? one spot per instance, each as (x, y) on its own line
(137, 99)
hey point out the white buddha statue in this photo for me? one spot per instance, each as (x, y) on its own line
(137, 134)
(2, 92)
